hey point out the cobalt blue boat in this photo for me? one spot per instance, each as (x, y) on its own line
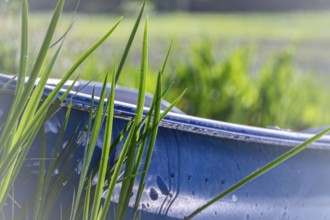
(195, 159)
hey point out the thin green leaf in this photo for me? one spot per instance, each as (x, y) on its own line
(125, 193)
(28, 113)
(8, 83)
(105, 151)
(95, 133)
(129, 177)
(261, 171)
(21, 102)
(87, 199)
(162, 116)
(106, 207)
(5, 138)
(89, 122)
(54, 163)
(41, 175)
(8, 163)
(121, 135)
(62, 37)
(43, 50)
(41, 56)
(66, 77)
(30, 126)
(173, 104)
(31, 107)
(152, 141)
(24, 49)
(60, 182)
(129, 43)
(166, 57)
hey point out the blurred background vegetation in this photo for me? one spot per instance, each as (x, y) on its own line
(261, 63)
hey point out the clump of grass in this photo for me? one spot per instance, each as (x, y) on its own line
(18, 133)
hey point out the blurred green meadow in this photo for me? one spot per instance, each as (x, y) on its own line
(249, 68)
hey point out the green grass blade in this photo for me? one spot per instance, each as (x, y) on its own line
(11, 120)
(44, 48)
(129, 43)
(114, 145)
(68, 152)
(10, 81)
(127, 186)
(138, 196)
(55, 190)
(88, 53)
(66, 77)
(30, 126)
(61, 39)
(116, 172)
(89, 121)
(36, 69)
(68, 90)
(143, 138)
(15, 166)
(22, 65)
(53, 94)
(24, 49)
(54, 163)
(28, 113)
(41, 175)
(152, 140)
(261, 171)
(59, 183)
(143, 74)
(169, 108)
(36, 96)
(56, 105)
(72, 203)
(31, 130)
(21, 102)
(94, 135)
(166, 58)
(161, 117)
(142, 142)
(105, 151)
(87, 199)
(128, 177)
(43, 52)
(120, 137)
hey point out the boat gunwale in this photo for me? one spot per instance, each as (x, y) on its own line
(192, 124)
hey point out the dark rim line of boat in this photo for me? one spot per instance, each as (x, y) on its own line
(81, 101)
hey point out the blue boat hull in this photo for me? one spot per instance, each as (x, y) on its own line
(195, 159)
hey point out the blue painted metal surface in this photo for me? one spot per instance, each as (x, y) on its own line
(195, 159)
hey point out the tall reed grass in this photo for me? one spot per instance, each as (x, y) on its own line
(30, 111)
